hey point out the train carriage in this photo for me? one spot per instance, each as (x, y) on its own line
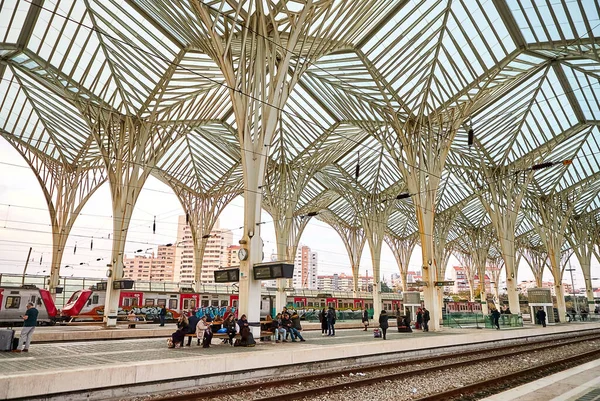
(14, 300)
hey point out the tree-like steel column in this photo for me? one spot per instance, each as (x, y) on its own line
(442, 224)
(554, 214)
(402, 248)
(494, 268)
(420, 149)
(480, 239)
(374, 214)
(260, 73)
(582, 231)
(130, 147)
(465, 257)
(67, 188)
(502, 202)
(283, 187)
(537, 259)
(203, 208)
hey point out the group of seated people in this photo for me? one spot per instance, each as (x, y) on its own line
(203, 328)
(284, 325)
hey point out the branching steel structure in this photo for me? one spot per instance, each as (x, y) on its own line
(377, 116)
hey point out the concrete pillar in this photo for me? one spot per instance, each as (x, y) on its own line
(250, 289)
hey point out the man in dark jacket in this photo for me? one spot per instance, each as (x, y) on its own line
(496, 318)
(192, 323)
(383, 323)
(287, 324)
(425, 319)
(162, 315)
(541, 316)
(331, 321)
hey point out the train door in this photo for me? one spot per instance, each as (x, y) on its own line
(397, 304)
(188, 302)
(332, 302)
(234, 301)
(359, 303)
(300, 302)
(131, 299)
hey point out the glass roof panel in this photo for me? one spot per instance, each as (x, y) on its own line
(12, 21)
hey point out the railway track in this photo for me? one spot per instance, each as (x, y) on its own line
(508, 381)
(356, 374)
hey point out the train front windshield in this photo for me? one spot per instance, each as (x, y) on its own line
(72, 300)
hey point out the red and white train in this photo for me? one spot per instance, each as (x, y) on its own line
(88, 304)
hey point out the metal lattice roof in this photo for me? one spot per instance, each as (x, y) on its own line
(529, 72)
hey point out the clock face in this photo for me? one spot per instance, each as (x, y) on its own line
(243, 254)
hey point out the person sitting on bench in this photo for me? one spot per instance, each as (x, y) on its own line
(230, 324)
(278, 329)
(192, 323)
(204, 332)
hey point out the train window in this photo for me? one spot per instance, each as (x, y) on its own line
(214, 302)
(32, 299)
(234, 303)
(204, 303)
(12, 302)
(224, 302)
(172, 304)
(95, 299)
(311, 304)
(149, 302)
(161, 302)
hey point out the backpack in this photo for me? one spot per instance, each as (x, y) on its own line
(376, 333)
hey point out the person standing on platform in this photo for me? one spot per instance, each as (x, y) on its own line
(507, 311)
(495, 318)
(425, 319)
(331, 322)
(162, 315)
(383, 323)
(419, 321)
(323, 320)
(365, 318)
(29, 324)
(541, 316)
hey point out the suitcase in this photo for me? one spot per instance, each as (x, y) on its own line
(6, 339)
(377, 333)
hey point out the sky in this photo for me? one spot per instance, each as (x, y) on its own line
(25, 222)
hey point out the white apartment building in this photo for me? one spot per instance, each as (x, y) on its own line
(305, 268)
(150, 268)
(344, 282)
(215, 253)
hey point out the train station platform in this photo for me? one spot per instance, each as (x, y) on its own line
(129, 367)
(92, 332)
(581, 383)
